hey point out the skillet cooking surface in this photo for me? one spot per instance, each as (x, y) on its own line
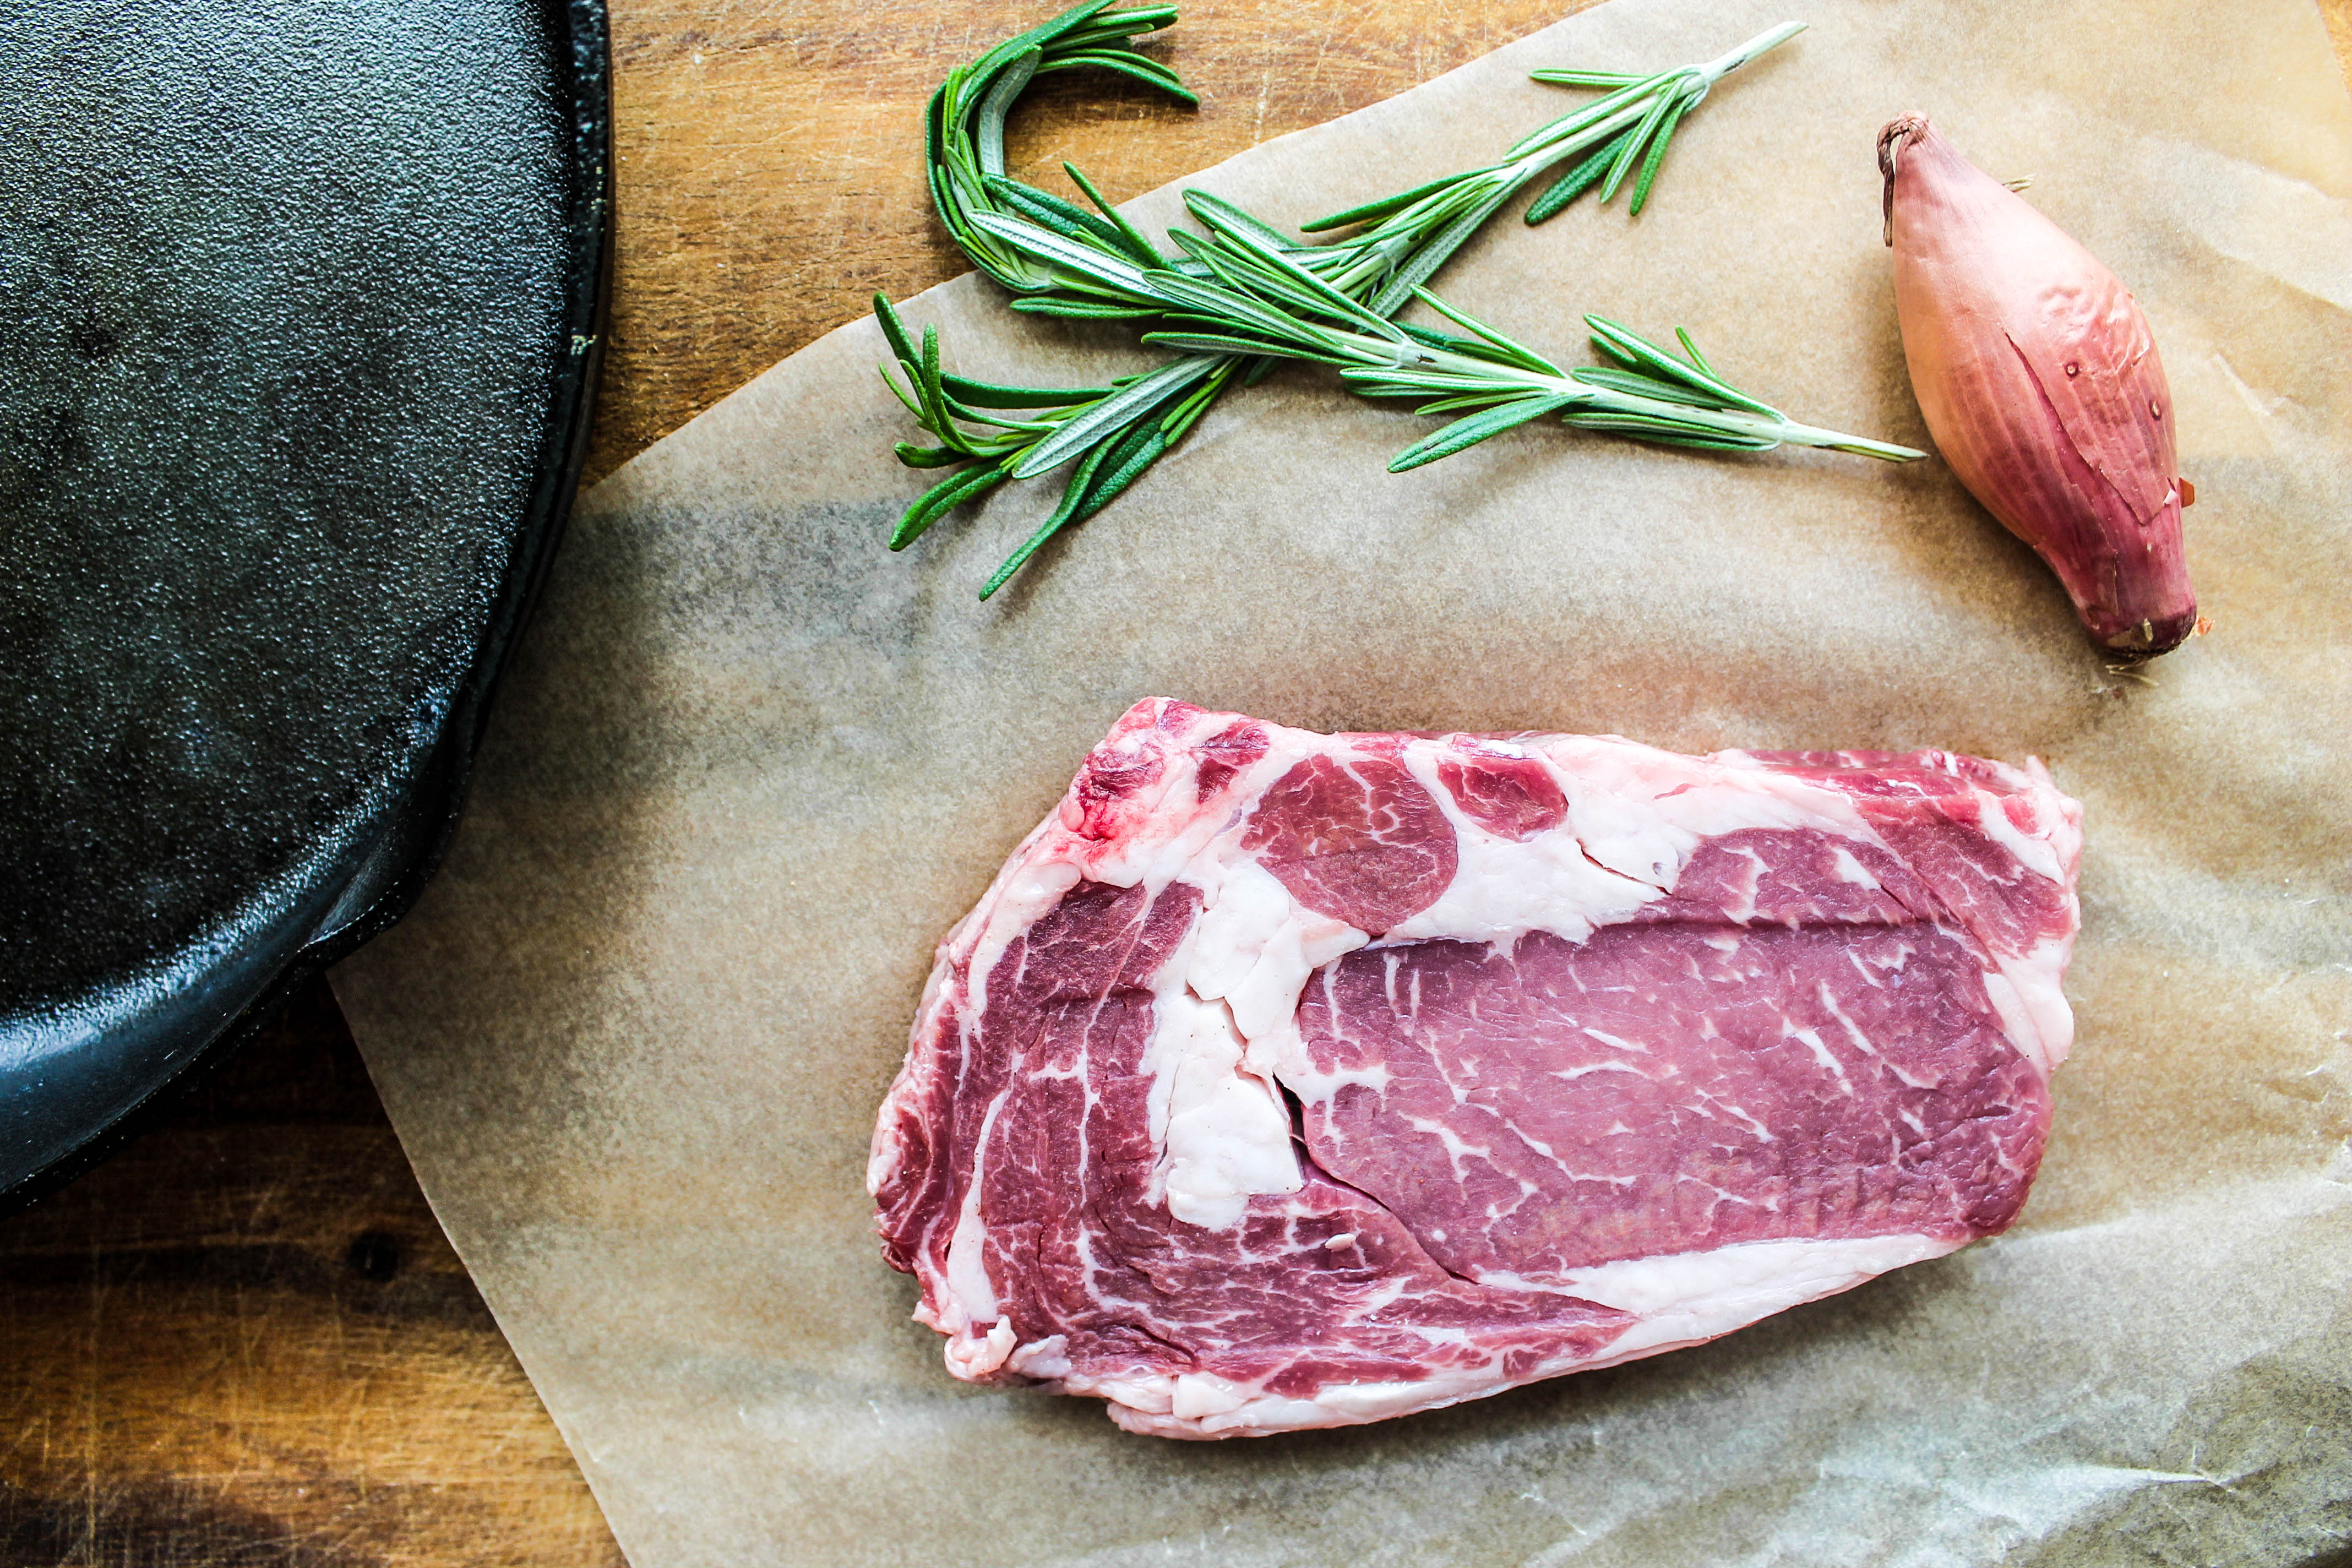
(298, 317)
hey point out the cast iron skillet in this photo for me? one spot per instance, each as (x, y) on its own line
(301, 316)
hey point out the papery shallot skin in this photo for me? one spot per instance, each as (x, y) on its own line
(1284, 1080)
(2042, 387)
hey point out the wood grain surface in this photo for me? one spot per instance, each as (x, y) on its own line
(245, 1341)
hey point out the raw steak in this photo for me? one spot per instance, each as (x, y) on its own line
(1286, 1079)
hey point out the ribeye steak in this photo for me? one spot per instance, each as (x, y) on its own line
(1284, 1080)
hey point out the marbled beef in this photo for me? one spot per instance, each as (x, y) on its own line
(1286, 1079)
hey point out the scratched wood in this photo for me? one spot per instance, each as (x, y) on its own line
(244, 1342)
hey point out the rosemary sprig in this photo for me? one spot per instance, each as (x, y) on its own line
(963, 125)
(1263, 301)
(1414, 232)
(1242, 296)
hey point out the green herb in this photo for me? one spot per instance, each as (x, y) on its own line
(964, 127)
(1242, 295)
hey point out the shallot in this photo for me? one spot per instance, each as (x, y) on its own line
(2042, 387)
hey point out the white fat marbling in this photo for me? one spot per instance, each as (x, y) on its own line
(1024, 893)
(1257, 946)
(970, 1291)
(1642, 812)
(1502, 888)
(2036, 853)
(1226, 1133)
(2033, 1010)
(1686, 1296)
(1042, 1359)
(1676, 1300)
(971, 1355)
(1850, 870)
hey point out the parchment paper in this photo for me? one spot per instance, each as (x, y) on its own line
(748, 768)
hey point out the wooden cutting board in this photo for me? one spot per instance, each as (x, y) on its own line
(244, 1341)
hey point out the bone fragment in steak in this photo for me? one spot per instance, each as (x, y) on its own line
(1284, 1080)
